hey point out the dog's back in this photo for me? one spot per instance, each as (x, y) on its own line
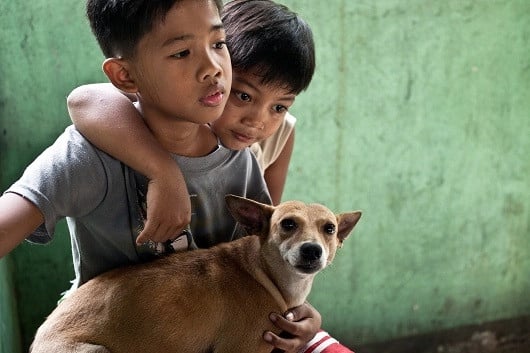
(173, 304)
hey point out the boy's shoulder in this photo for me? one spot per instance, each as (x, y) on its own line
(70, 163)
(289, 120)
(268, 150)
(72, 142)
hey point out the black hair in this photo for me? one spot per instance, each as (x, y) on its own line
(120, 24)
(270, 40)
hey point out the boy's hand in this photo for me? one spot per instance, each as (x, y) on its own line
(168, 210)
(301, 323)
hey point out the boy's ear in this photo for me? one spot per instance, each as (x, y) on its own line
(117, 70)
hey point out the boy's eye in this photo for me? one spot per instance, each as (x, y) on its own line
(280, 108)
(219, 45)
(181, 54)
(243, 96)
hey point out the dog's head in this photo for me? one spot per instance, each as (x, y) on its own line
(306, 236)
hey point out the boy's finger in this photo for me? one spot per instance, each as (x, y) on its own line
(304, 311)
(142, 238)
(283, 323)
(303, 329)
(147, 233)
(283, 344)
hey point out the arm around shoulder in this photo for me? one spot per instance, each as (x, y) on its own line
(109, 120)
(104, 115)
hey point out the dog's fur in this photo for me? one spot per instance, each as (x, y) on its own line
(208, 300)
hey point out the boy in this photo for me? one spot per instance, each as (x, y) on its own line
(272, 55)
(273, 61)
(172, 56)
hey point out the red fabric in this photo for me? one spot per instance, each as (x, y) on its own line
(324, 343)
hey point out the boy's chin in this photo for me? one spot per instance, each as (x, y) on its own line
(233, 144)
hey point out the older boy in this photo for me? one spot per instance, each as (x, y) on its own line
(172, 56)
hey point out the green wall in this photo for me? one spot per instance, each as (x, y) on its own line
(46, 50)
(9, 326)
(418, 115)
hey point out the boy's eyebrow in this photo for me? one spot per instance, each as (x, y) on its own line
(215, 28)
(287, 97)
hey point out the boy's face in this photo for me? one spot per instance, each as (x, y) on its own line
(253, 112)
(182, 67)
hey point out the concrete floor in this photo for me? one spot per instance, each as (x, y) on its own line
(506, 336)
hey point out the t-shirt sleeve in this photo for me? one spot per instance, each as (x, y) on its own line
(67, 179)
(268, 150)
(256, 188)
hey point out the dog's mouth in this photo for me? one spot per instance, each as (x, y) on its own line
(307, 258)
(309, 267)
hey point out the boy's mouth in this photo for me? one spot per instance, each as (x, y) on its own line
(243, 138)
(214, 98)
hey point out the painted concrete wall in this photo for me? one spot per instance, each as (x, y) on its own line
(9, 326)
(418, 115)
(46, 50)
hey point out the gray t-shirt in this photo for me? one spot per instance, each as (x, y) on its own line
(101, 199)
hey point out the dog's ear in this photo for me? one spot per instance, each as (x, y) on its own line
(346, 222)
(252, 215)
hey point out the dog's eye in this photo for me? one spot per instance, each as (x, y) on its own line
(288, 224)
(329, 228)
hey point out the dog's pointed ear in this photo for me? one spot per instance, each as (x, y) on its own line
(346, 222)
(252, 215)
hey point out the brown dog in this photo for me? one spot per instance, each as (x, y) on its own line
(208, 300)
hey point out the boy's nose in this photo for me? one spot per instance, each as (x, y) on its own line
(211, 68)
(255, 121)
(256, 117)
(256, 124)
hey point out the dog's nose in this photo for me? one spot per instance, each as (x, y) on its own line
(311, 252)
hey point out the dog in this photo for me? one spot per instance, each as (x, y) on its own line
(207, 300)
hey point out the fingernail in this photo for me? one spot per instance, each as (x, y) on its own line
(273, 317)
(267, 336)
(289, 316)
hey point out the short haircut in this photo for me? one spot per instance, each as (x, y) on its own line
(270, 40)
(119, 25)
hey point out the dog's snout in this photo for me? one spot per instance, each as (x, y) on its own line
(311, 252)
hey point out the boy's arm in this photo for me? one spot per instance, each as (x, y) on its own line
(18, 218)
(109, 120)
(276, 174)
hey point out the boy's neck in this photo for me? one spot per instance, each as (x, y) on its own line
(181, 137)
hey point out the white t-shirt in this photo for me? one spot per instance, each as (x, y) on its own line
(268, 150)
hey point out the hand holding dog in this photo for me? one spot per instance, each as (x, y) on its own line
(168, 208)
(301, 323)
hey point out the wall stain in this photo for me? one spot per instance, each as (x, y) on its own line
(512, 206)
